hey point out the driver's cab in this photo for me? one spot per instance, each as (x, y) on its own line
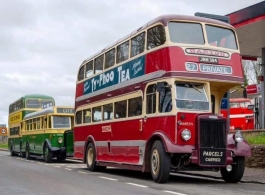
(192, 96)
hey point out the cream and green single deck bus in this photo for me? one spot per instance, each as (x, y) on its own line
(48, 133)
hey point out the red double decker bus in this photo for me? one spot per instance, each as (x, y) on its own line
(241, 114)
(151, 101)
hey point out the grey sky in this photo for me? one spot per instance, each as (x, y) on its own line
(43, 42)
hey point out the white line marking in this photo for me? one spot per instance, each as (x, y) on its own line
(57, 166)
(171, 192)
(31, 161)
(18, 158)
(108, 178)
(134, 184)
(68, 169)
(82, 172)
(40, 163)
(8, 157)
(72, 160)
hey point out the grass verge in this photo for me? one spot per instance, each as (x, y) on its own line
(3, 145)
(255, 138)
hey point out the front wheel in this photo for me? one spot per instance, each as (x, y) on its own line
(236, 173)
(27, 154)
(91, 159)
(48, 155)
(160, 163)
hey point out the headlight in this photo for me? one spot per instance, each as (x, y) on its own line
(186, 134)
(238, 137)
(60, 140)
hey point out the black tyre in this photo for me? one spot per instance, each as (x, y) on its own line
(160, 163)
(12, 153)
(48, 155)
(27, 153)
(22, 154)
(237, 172)
(91, 159)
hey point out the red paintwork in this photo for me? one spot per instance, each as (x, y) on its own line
(237, 118)
(172, 60)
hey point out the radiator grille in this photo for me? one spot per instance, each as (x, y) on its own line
(212, 133)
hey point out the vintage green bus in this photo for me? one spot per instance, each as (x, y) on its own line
(17, 110)
(48, 133)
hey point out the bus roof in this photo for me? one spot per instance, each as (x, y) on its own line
(28, 96)
(164, 19)
(48, 110)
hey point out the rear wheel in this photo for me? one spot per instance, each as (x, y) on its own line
(27, 153)
(160, 163)
(91, 159)
(47, 154)
(12, 153)
(237, 172)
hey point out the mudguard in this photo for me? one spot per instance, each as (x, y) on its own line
(239, 149)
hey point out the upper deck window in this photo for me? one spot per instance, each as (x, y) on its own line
(182, 32)
(122, 52)
(191, 96)
(81, 73)
(221, 37)
(110, 58)
(99, 64)
(137, 44)
(37, 103)
(156, 36)
(89, 69)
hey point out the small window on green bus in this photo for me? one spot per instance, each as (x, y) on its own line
(110, 58)
(89, 69)
(156, 36)
(137, 44)
(81, 73)
(99, 64)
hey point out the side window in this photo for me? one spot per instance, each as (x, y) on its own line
(38, 123)
(49, 122)
(120, 109)
(151, 99)
(122, 52)
(155, 37)
(81, 73)
(213, 103)
(78, 117)
(137, 44)
(165, 99)
(89, 69)
(135, 107)
(87, 116)
(99, 64)
(108, 112)
(97, 114)
(110, 58)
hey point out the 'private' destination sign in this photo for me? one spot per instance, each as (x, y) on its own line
(217, 69)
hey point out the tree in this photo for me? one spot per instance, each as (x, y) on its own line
(252, 70)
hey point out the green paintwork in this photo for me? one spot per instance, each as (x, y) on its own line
(36, 143)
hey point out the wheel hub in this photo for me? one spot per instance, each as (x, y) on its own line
(155, 162)
(90, 156)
